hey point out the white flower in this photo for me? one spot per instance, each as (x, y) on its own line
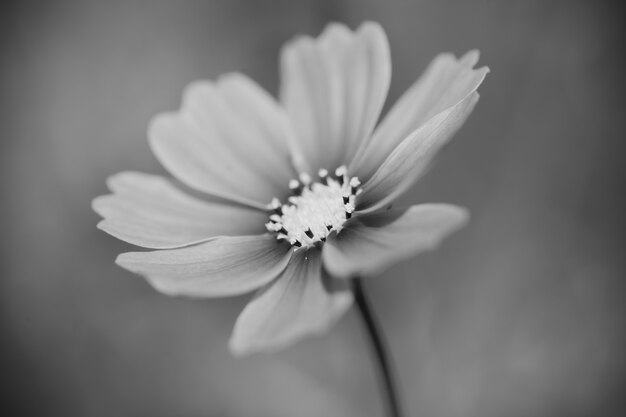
(303, 184)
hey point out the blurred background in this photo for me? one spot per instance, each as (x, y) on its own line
(520, 314)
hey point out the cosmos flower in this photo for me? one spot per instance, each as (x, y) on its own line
(299, 190)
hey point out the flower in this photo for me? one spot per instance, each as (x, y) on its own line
(299, 190)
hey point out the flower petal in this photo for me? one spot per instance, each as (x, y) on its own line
(372, 243)
(409, 160)
(333, 88)
(302, 301)
(229, 139)
(149, 211)
(220, 267)
(445, 83)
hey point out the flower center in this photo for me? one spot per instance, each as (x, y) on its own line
(315, 208)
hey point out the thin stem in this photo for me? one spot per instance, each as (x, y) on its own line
(382, 353)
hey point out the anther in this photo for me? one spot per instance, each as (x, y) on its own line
(296, 187)
(316, 207)
(274, 204)
(273, 227)
(349, 210)
(340, 174)
(323, 174)
(341, 171)
(354, 183)
(305, 178)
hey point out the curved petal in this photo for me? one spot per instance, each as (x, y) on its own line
(446, 82)
(409, 160)
(302, 301)
(333, 88)
(372, 243)
(229, 139)
(220, 267)
(149, 211)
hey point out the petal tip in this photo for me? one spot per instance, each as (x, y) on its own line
(117, 181)
(371, 27)
(102, 225)
(97, 204)
(238, 349)
(123, 261)
(156, 126)
(163, 288)
(456, 218)
(334, 28)
(114, 180)
(231, 78)
(470, 58)
(194, 89)
(294, 44)
(462, 217)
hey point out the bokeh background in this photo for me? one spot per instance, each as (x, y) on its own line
(520, 314)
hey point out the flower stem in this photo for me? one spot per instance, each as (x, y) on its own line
(387, 382)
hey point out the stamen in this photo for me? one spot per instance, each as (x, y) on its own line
(305, 178)
(349, 210)
(323, 174)
(274, 204)
(315, 209)
(296, 187)
(354, 184)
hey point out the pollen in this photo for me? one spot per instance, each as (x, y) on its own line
(315, 209)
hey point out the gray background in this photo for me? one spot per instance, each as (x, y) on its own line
(519, 314)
